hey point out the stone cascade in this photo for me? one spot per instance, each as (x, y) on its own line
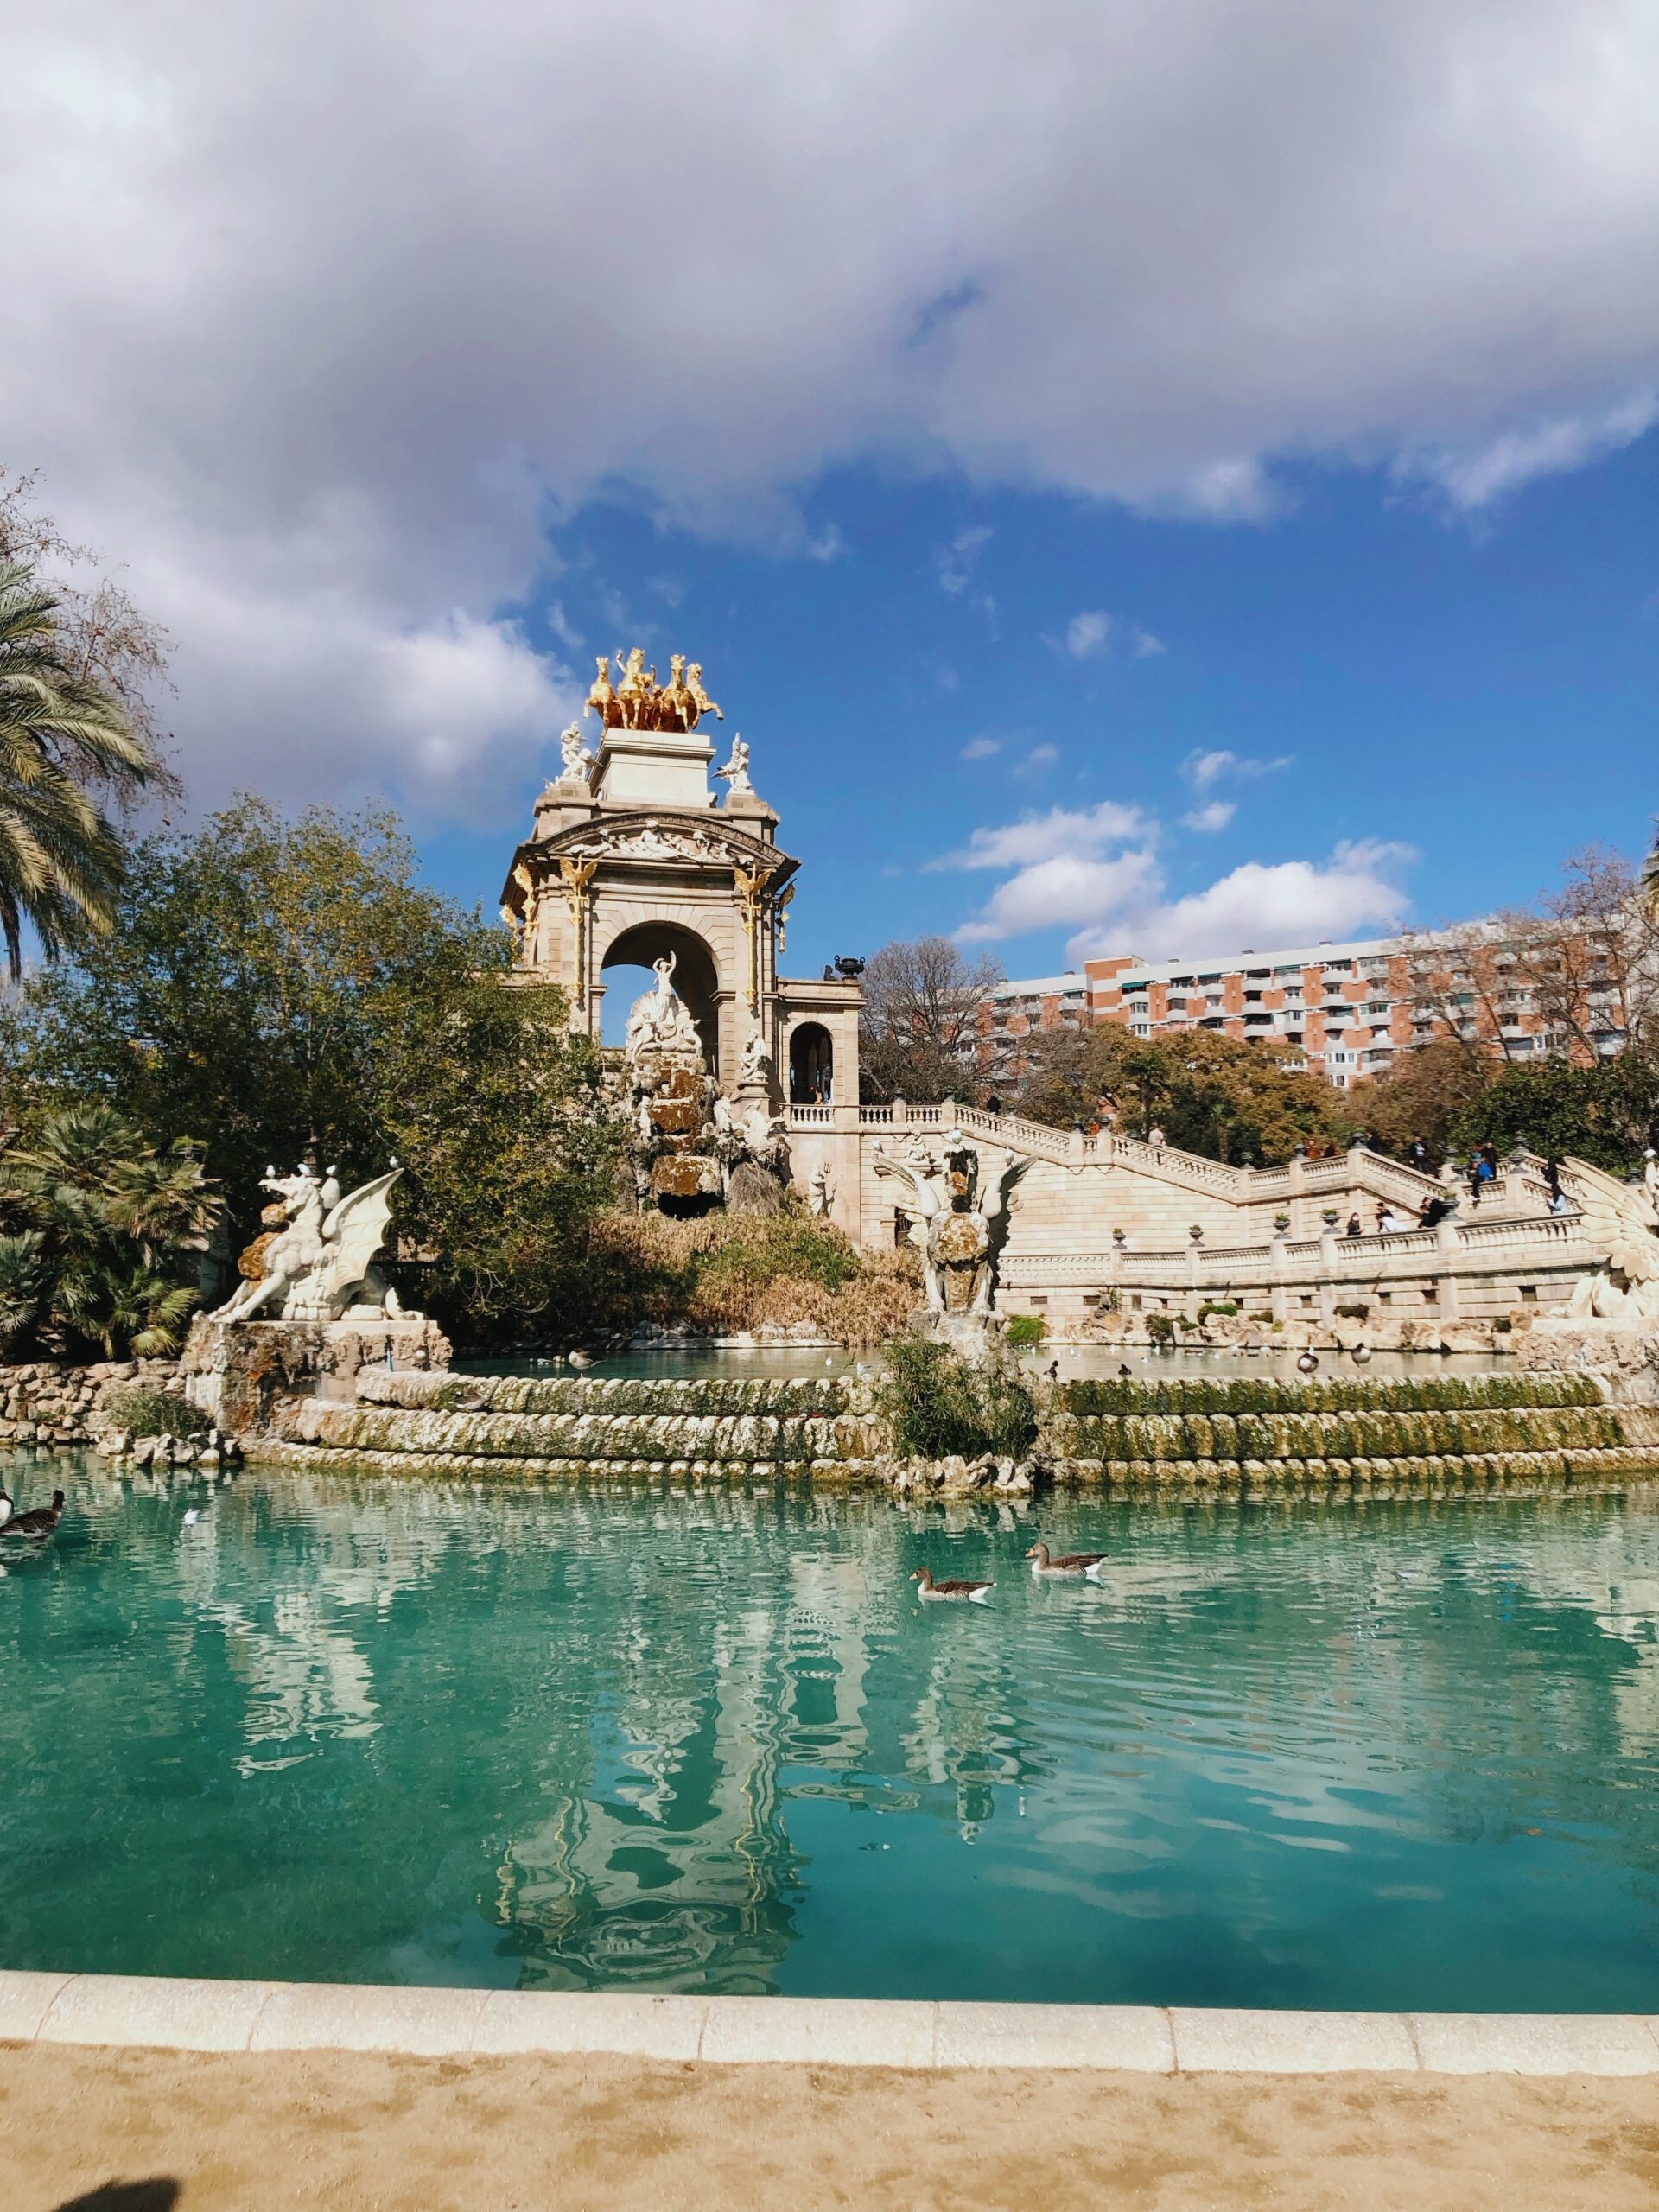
(1441, 1436)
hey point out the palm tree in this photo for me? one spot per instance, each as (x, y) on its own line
(61, 740)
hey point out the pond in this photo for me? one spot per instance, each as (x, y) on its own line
(781, 1361)
(1386, 1756)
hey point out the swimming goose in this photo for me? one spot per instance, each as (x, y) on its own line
(40, 1523)
(1067, 1563)
(974, 1591)
(1307, 1363)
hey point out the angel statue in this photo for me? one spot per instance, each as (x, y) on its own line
(962, 1230)
(321, 1260)
(577, 757)
(1621, 1225)
(736, 773)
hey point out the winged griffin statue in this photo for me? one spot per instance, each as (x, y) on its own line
(1621, 1223)
(963, 1228)
(320, 1260)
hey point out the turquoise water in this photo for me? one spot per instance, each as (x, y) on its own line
(356, 1729)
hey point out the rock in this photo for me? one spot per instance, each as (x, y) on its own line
(753, 1191)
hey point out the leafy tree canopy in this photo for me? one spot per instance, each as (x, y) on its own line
(276, 988)
(1209, 1094)
(1606, 1112)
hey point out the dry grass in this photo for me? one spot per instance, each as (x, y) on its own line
(726, 1274)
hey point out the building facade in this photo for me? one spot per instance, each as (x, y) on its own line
(1345, 1012)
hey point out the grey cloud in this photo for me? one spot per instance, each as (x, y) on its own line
(317, 315)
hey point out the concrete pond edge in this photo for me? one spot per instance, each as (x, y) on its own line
(161, 2013)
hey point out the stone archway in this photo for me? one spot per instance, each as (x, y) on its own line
(697, 973)
(811, 1065)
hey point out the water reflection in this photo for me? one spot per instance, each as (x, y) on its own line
(708, 1739)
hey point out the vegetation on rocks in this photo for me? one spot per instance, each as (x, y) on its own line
(145, 1411)
(1179, 1395)
(939, 1407)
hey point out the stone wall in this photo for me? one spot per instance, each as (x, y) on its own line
(48, 1402)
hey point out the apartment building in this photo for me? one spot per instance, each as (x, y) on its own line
(1343, 1011)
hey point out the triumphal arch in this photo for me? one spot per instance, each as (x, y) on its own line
(634, 860)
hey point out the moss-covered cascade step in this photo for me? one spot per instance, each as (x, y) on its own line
(706, 1396)
(1491, 1474)
(1335, 1435)
(1269, 1393)
(589, 1437)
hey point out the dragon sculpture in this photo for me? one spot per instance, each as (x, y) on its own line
(1621, 1223)
(320, 1260)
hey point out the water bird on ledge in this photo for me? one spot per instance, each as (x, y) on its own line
(1067, 1563)
(38, 1525)
(975, 1592)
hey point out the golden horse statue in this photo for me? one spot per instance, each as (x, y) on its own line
(601, 696)
(705, 705)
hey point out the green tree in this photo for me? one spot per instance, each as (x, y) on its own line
(1209, 1094)
(1425, 1096)
(278, 988)
(65, 741)
(99, 1227)
(1606, 1112)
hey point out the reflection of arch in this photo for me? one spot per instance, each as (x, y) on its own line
(811, 1065)
(696, 976)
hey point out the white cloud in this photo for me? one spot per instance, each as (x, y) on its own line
(1263, 904)
(563, 628)
(827, 545)
(1202, 771)
(1060, 833)
(1214, 816)
(955, 562)
(1144, 647)
(981, 748)
(313, 320)
(1475, 477)
(1038, 761)
(1086, 634)
(1068, 888)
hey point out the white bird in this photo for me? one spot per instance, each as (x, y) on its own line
(580, 1361)
(1307, 1363)
(193, 1514)
(1362, 1355)
(7, 1509)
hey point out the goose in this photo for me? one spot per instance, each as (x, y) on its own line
(1362, 1355)
(579, 1360)
(1307, 1363)
(975, 1592)
(1067, 1563)
(7, 1509)
(39, 1524)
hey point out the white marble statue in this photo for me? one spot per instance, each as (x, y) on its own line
(1621, 1225)
(737, 771)
(756, 1063)
(322, 1260)
(820, 1191)
(576, 757)
(659, 1021)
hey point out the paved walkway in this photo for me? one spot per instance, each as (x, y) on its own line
(114, 2130)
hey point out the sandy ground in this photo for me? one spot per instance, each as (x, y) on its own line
(138, 2131)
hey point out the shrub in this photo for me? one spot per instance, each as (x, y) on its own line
(1352, 1312)
(939, 1406)
(149, 1412)
(1161, 1329)
(1226, 1307)
(1027, 1329)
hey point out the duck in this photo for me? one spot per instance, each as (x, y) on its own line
(579, 1360)
(39, 1524)
(7, 1509)
(1124, 1369)
(975, 1592)
(1307, 1363)
(1067, 1563)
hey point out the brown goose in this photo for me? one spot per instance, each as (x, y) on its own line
(1067, 1563)
(39, 1523)
(975, 1592)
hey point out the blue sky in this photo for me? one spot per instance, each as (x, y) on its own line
(1479, 691)
(1161, 474)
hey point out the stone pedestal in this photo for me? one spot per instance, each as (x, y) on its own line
(236, 1371)
(977, 1339)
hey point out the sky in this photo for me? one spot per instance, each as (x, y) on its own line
(1157, 476)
